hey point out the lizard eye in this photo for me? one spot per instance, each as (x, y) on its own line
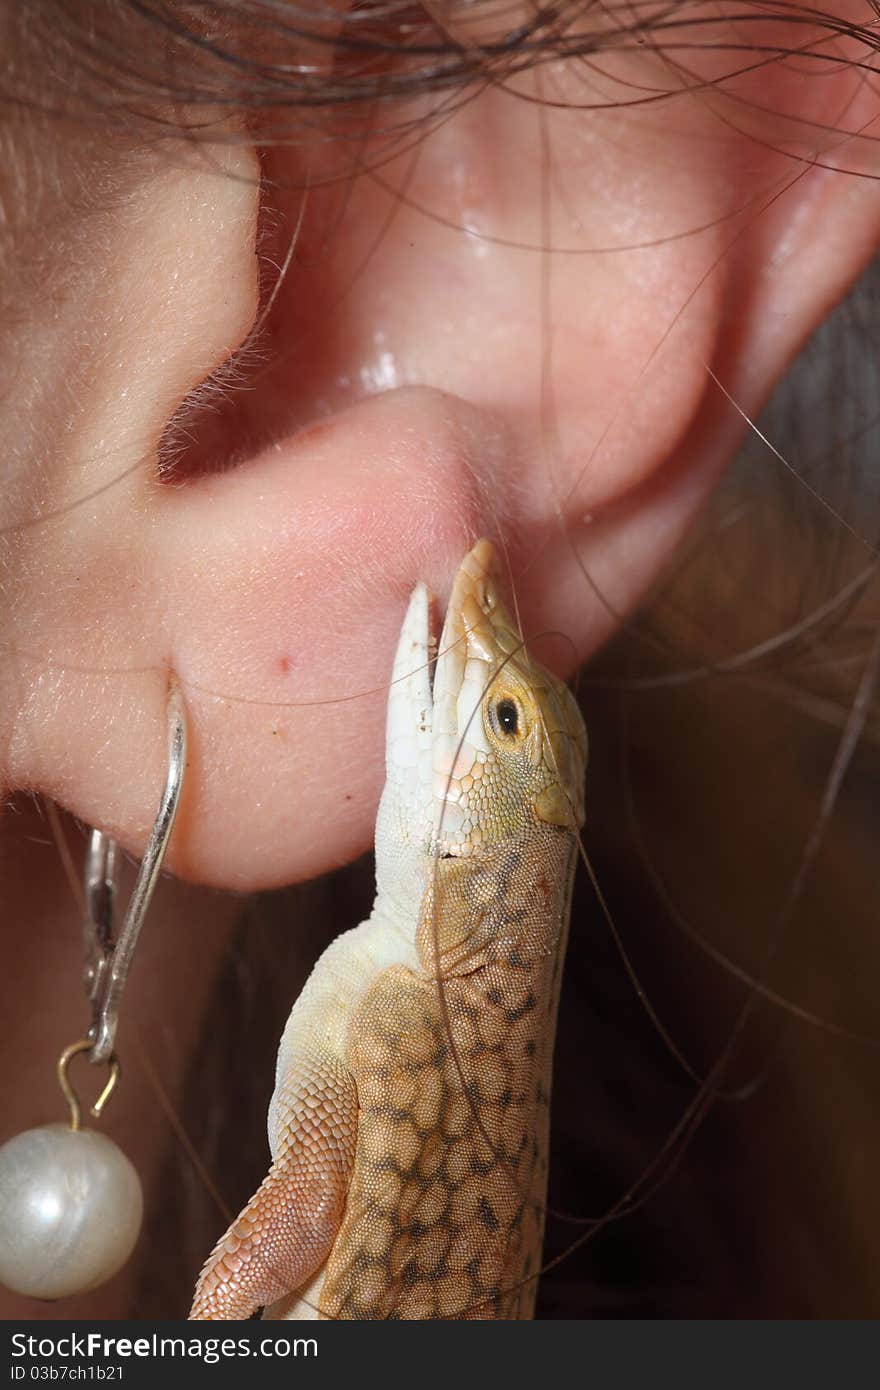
(506, 717)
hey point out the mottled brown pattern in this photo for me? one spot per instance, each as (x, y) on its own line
(444, 1217)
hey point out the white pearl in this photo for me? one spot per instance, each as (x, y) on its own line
(70, 1211)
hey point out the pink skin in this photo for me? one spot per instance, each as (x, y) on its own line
(399, 415)
(280, 584)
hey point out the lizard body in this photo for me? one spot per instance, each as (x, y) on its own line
(409, 1123)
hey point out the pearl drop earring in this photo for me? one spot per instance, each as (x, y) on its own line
(70, 1201)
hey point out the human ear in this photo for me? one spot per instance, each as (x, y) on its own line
(448, 384)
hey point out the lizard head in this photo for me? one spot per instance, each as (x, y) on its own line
(491, 745)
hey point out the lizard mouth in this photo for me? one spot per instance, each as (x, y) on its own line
(434, 729)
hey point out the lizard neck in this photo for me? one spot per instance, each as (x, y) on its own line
(507, 901)
(507, 906)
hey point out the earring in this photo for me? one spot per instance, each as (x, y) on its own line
(70, 1200)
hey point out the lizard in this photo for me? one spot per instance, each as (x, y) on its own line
(409, 1121)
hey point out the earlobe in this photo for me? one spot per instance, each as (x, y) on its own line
(274, 592)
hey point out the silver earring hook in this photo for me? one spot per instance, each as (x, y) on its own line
(107, 961)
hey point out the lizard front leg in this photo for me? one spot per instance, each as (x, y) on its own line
(286, 1231)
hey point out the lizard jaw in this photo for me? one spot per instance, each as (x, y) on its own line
(409, 723)
(434, 731)
(468, 657)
